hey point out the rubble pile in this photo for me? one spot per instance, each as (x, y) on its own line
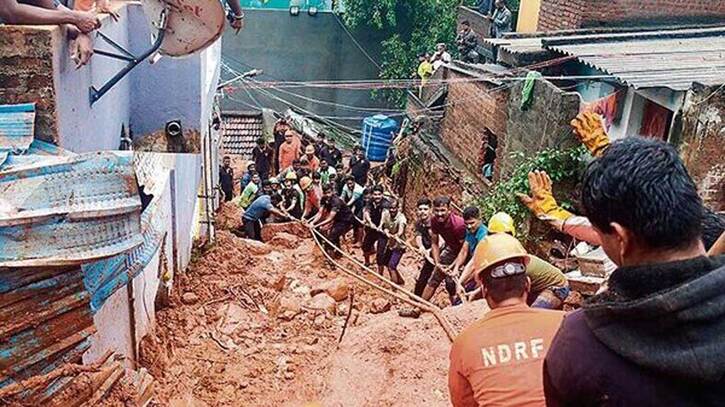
(256, 323)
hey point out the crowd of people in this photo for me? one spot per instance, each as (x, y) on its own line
(653, 335)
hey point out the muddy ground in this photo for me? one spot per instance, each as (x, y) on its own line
(244, 330)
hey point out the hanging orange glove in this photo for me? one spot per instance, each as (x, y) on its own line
(541, 202)
(589, 129)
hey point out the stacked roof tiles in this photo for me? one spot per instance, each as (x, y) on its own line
(240, 131)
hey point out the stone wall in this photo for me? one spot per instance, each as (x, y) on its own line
(703, 138)
(572, 14)
(472, 106)
(545, 124)
(479, 24)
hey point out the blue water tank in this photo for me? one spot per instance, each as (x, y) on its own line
(377, 134)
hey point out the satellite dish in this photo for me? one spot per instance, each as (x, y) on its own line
(179, 28)
(191, 26)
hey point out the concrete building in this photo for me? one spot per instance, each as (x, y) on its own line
(97, 294)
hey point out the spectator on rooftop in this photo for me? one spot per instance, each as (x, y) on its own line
(49, 12)
(467, 42)
(425, 70)
(441, 56)
(501, 20)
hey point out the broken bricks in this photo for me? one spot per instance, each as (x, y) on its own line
(338, 289)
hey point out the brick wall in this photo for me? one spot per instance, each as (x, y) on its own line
(26, 57)
(570, 14)
(471, 107)
(703, 137)
(545, 124)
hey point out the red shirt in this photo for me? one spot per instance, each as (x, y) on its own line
(499, 360)
(452, 230)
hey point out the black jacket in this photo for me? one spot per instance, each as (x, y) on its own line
(655, 338)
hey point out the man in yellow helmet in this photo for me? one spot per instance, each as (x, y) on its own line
(498, 360)
(549, 286)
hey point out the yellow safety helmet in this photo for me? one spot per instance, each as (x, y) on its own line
(502, 223)
(496, 248)
(305, 183)
(291, 176)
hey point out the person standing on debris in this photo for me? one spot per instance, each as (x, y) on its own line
(312, 161)
(549, 286)
(394, 224)
(352, 194)
(475, 232)
(655, 337)
(263, 155)
(497, 361)
(226, 178)
(375, 241)
(250, 191)
(247, 177)
(467, 41)
(289, 150)
(258, 212)
(326, 171)
(320, 144)
(338, 220)
(452, 229)
(501, 20)
(423, 242)
(330, 153)
(280, 129)
(312, 200)
(359, 166)
(293, 196)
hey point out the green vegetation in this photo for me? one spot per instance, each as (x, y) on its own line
(563, 166)
(411, 27)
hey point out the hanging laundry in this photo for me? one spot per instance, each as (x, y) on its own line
(527, 94)
(608, 107)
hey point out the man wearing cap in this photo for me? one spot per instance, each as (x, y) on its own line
(312, 161)
(498, 360)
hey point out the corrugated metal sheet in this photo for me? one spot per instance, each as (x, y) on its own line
(80, 208)
(669, 59)
(17, 124)
(45, 321)
(240, 131)
(102, 278)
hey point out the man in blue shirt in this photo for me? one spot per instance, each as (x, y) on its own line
(258, 212)
(475, 232)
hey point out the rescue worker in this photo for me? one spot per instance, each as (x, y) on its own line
(312, 200)
(451, 228)
(352, 194)
(294, 198)
(375, 241)
(258, 212)
(394, 224)
(250, 191)
(338, 219)
(497, 361)
(423, 243)
(549, 286)
(655, 337)
(313, 163)
(475, 232)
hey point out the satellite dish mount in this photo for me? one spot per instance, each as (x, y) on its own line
(125, 55)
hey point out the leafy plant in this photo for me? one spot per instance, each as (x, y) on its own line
(561, 165)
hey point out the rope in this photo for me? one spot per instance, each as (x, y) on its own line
(414, 300)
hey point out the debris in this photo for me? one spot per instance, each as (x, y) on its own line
(322, 302)
(409, 312)
(380, 305)
(285, 240)
(255, 247)
(189, 298)
(338, 289)
(289, 307)
(231, 317)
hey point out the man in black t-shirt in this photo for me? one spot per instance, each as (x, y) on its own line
(375, 241)
(338, 220)
(359, 166)
(226, 179)
(263, 155)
